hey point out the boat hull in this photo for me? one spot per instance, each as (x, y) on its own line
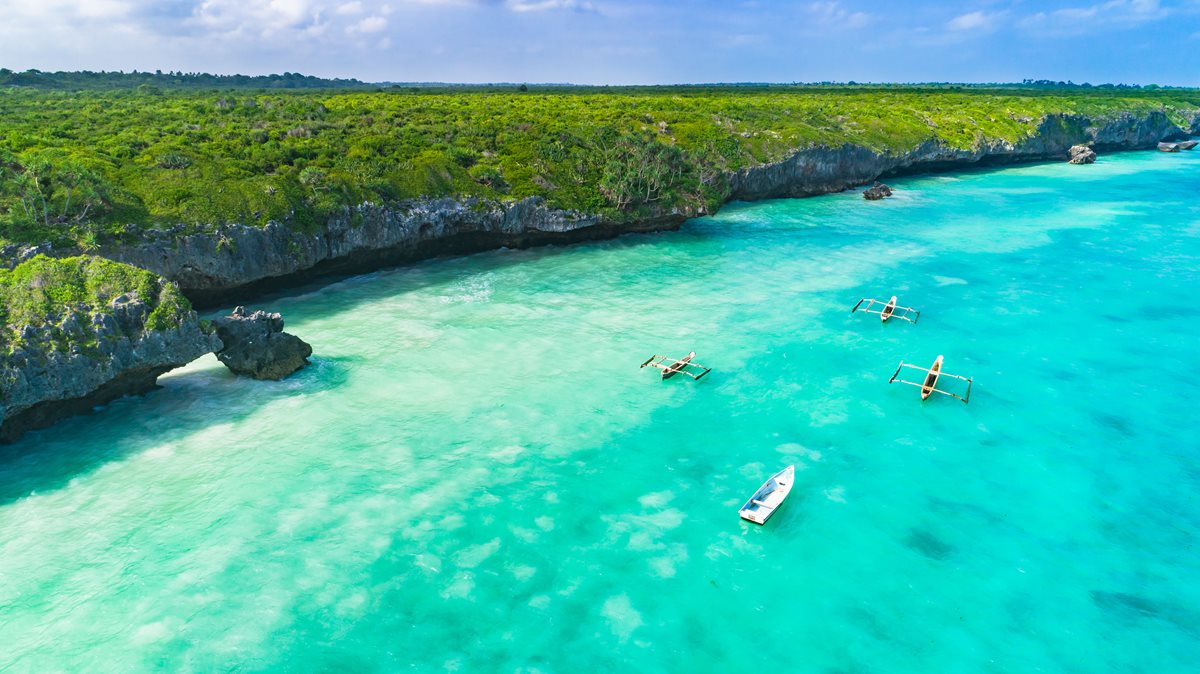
(931, 379)
(677, 367)
(888, 310)
(769, 497)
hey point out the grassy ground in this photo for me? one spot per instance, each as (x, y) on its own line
(76, 166)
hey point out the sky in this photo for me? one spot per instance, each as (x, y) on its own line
(616, 41)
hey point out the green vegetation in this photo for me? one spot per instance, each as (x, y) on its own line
(44, 289)
(147, 81)
(76, 166)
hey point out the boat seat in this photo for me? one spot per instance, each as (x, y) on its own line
(760, 503)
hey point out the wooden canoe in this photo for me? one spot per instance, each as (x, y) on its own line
(677, 367)
(888, 310)
(931, 378)
(769, 497)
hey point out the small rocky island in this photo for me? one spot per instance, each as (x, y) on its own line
(1178, 146)
(1081, 154)
(254, 344)
(82, 331)
(877, 191)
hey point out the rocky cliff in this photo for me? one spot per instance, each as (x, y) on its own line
(821, 170)
(231, 263)
(235, 261)
(88, 331)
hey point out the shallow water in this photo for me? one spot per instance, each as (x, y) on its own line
(475, 476)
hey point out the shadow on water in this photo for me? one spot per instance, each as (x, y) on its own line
(924, 542)
(186, 403)
(1131, 607)
(439, 270)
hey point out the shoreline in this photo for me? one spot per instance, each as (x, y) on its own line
(237, 264)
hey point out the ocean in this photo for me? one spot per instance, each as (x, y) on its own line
(474, 475)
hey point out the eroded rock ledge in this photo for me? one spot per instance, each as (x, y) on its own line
(255, 345)
(112, 352)
(79, 332)
(233, 263)
(823, 170)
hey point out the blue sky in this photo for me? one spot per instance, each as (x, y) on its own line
(616, 41)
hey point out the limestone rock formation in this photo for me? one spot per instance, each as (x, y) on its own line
(877, 192)
(1176, 147)
(88, 353)
(1081, 154)
(235, 261)
(256, 345)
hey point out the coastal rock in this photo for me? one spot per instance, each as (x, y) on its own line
(88, 355)
(877, 192)
(233, 261)
(14, 254)
(822, 170)
(1178, 146)
(256, 345)
(1081, 154)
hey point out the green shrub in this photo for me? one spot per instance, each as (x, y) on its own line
(77, 167)
(44, 288)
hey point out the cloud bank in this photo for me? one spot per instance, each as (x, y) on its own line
(613, 41)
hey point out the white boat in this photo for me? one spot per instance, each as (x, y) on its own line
(769, 497)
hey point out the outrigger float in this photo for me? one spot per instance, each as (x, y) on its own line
(669, 367)
(887, 310)
(932, 375)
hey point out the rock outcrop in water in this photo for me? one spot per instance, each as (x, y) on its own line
(1081, 154)
(88, 353)
(1178, 146)
(255, 344)
(876, 192)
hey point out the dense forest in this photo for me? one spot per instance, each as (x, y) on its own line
(77, 164)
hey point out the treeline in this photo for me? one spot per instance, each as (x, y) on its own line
(87, 79)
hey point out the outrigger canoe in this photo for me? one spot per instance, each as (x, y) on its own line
(887, 310)
(929, 382)
(931, 378)
(769, 497)
(669, 367)
(677, 367)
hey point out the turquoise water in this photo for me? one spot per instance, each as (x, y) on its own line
(475, 476)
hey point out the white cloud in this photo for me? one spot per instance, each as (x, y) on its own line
(831, 14)
(349, 9)
(255, 16)
(544, 5)
(1115, 14)
(975, 21)
(371, 24)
